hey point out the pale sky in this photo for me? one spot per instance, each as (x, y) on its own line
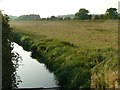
(47, 8)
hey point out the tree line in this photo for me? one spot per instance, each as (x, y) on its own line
(82, 14)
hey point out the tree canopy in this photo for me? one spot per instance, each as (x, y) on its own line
(82, 14)
(112, 13)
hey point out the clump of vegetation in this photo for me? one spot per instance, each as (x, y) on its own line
(105, 74)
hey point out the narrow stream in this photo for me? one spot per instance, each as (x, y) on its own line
(33, 74)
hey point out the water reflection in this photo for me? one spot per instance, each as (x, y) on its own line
(31, 72)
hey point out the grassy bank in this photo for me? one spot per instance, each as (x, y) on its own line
(75, 66)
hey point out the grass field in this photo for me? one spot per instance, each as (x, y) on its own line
(85, 34)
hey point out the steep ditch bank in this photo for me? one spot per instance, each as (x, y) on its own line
(73, 67)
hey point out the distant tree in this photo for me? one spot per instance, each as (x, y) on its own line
(96, 17)
(102, 16)
(53, 18)
(48, 18)
(60, 18)
(111, 13)
(89, 17)
(82, 14)
(118, 16)
(67, 18)
(32, 17)
(43, 19)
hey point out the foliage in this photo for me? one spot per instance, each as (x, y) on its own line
(96, 17)
(6, 54)
(67, 18)
(53, 18)
(112, 13)
(82, 14)
(9, 75)
(102, 16)
(105, 74)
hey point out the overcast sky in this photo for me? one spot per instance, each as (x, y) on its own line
(47, 8)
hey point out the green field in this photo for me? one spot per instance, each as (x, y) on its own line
(85, 34)
(82, 54)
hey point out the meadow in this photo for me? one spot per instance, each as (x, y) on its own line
(82, 54)
(85, 34)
